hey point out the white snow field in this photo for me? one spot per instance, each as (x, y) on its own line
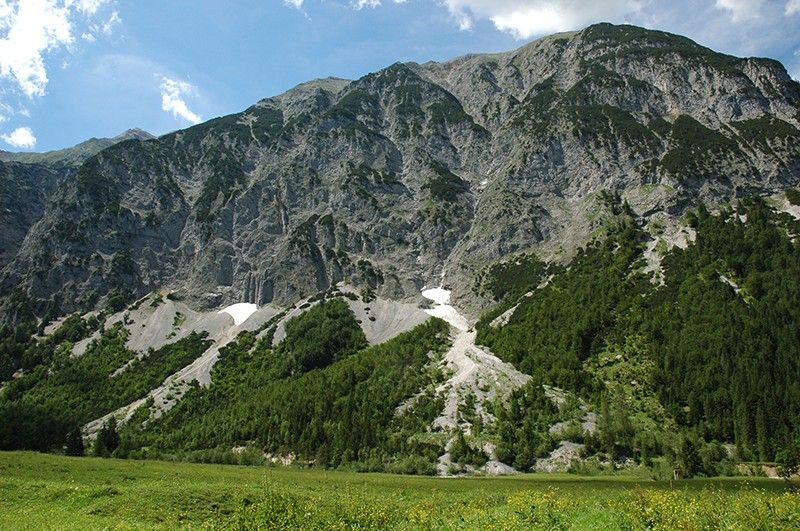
(241, 311)
(443, 310)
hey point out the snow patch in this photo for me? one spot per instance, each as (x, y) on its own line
(240, 311)
(437, 295)
(443, 310)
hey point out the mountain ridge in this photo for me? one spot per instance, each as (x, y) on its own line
(408, 139)
(74, 155)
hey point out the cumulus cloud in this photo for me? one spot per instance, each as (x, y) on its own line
(297, 4)
(21, 137)
(792, 7)
(741, 9)
(29, 29)
(526, 18)
(33, 27)
(173, 94)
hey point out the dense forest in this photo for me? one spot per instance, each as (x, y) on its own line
(42, 407)
(341, 408)
(322, 393)
(715, 346)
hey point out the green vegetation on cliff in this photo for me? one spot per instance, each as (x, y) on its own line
(319, 395)
(716, 345)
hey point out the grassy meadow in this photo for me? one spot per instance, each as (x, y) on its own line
(39, 491)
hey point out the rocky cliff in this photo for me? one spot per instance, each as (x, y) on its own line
(415, 173)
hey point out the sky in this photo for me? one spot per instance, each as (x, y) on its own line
(75, 69)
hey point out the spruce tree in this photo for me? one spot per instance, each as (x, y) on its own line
(74, 442)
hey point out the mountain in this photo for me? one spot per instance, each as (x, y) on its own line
(28, 179)
(75, 155)
(24, 189)
(417, 171)
(618, 205)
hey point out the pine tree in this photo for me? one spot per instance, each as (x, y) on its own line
(690, 458)
(459, 448)
(112, 437)
(107, 439)
(99, 446)
(74, 442)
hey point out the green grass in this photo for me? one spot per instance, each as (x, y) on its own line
(45, 492)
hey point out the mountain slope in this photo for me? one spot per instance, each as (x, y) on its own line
(28, 179)
(24, 189)
(382, 180)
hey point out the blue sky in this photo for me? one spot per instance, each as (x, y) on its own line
(74, 69)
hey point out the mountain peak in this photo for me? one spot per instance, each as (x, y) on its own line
(133, 133)
(445, 157)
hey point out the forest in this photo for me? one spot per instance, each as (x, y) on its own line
(40, 409)
(321, 394)
(715, 345)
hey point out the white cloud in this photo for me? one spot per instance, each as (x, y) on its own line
(792, 7)
(357, 4)
(173, 93)
(34, 27)
(113, 20)
(30, 29)
(741, 9)
(87, 7)
(106, 28)
(361, 4)
(21, 137)
(526, 18)
(5, 111)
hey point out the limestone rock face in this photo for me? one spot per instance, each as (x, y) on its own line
(24, 189)
(413, 172)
